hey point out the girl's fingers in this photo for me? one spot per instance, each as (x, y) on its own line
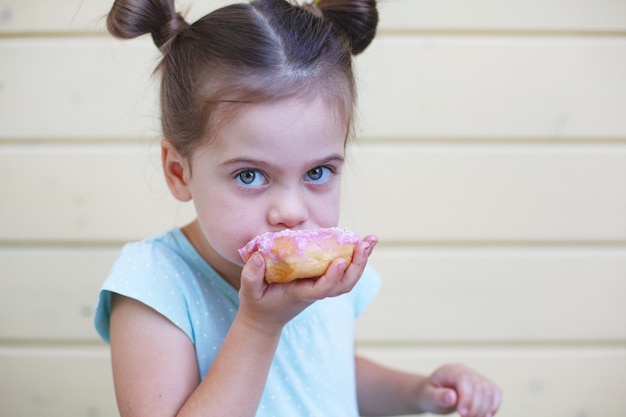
(495, 403)
(253, 275)
(361, 254)
(338, 278)
(479, 398)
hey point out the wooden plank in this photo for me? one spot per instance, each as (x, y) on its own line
(493, 88)
(482, 294)
(100, 193)
(479, 193)
(428, 295)
(437, 193)
(55, 382)
(37, 16)
(559, 382)
(66, 16)
(412, 88)
(511, 15)
(77, 89)
(51, 293)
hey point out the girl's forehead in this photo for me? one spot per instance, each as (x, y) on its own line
(325, 104)
(289, 128)
(292, 114)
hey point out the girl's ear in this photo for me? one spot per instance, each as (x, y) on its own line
(177, 171)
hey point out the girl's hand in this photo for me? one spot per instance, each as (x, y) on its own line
(273, 305)
(458, 388)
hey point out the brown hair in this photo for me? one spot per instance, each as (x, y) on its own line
(247, 53)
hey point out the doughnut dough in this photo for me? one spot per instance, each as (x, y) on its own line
(293, 254)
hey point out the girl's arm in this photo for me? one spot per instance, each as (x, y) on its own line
(154, 363)
(383, 391)
(155, 368)
(156, 373)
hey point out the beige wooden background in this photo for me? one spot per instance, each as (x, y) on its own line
(491, 161)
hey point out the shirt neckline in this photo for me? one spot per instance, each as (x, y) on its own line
(191, 254)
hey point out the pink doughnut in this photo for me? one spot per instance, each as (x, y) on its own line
(294, 254)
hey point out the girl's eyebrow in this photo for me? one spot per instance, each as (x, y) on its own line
(244, 161)
(331, 158)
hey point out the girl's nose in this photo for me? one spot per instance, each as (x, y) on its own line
(288, 209)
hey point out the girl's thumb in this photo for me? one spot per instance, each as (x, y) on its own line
(253, 273)
(444, 399)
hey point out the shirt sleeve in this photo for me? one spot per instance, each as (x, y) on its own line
(366, 290)
(144, 273)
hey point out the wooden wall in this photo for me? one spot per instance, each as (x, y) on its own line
(491, 161)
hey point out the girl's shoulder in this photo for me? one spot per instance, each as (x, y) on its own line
(160, 256)
(165, 273)
(169, 247)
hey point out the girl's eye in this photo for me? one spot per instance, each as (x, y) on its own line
(251, 178)
(319, 175)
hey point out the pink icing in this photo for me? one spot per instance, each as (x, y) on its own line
(302, 238)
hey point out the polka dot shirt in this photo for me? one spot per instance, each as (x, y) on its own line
(312, 373)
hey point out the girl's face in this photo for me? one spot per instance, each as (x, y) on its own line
(272, 166)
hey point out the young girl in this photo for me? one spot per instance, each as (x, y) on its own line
(257, 103)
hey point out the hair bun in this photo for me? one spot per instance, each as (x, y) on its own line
(132, 18)
(169, 30)
(358, 19)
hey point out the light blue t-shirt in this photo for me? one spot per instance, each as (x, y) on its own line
(312, 373)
